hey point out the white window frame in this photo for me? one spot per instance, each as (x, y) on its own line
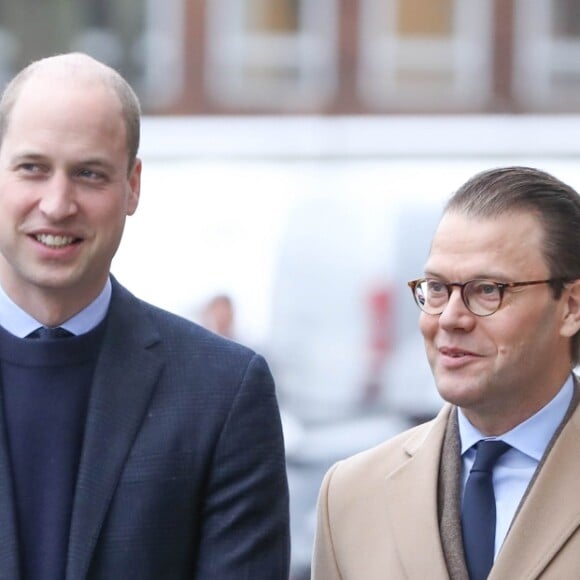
(466, 56)
(537, 56)
(312, 51)
(158, 49)
(163, 54)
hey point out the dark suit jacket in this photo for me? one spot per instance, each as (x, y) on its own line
(182, 472)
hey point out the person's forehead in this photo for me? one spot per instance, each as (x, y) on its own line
(78, 68)
(66, 126)
(458, 223)
(48, 82)
(478, 246)
(45, 104)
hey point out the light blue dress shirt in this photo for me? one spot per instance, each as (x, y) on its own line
(515, 469)
(18, 322)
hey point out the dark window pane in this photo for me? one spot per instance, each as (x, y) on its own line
(566, 17)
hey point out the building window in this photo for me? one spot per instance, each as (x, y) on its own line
(425, 55)
(162, 53)
(141, 40)
(547, 55)
(271, 54)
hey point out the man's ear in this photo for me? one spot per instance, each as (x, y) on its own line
(134, 183)
(571, 314)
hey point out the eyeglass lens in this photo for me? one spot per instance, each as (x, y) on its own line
(482, 297)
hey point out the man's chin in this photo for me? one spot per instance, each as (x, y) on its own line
(458, 392)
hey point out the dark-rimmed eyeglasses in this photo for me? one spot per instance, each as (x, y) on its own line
(481, 297)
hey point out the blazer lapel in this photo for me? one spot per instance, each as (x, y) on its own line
(412, 489)
(550, 505)
(9, 557)
(126, 373)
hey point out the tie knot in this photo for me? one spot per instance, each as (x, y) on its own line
(487, 453)
(46, 333)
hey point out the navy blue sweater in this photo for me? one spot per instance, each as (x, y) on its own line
(45, 390)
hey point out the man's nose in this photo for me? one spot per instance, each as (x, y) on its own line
(58, 200)
(456, 314)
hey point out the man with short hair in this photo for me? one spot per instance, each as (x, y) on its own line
(133, 443)
(490, 487)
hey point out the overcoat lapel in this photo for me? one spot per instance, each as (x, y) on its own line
(126, 373)
(412, 489)
(9, 558)
(450, 469)
(550, 513)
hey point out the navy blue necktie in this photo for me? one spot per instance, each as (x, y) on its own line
(47, 333)
(478, 512)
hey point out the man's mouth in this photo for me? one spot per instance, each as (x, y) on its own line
(455, 353)
(54, 241)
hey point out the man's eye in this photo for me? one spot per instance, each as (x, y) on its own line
(436, 287)
(486, 290)
(89, 174)
(30, 168)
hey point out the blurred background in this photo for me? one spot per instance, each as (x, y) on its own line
(297, 154)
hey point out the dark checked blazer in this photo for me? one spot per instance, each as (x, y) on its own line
(182, 472)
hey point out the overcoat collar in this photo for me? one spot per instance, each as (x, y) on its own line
(551, 504)
(410, 489)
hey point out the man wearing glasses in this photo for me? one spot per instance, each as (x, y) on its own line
(491, 487)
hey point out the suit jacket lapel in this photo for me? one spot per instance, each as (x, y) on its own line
(9, 555)
(413, 489)
(551, 504)
(125, 375)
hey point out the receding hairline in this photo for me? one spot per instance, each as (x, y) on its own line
(70, 63)
(79, 67)
(74, 66)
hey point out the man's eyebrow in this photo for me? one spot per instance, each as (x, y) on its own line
(89, 161)
(433, 274)
(27, 155)
(493, 276)
(95, 162)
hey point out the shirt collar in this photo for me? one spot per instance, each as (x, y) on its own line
(533, 435)
(19, 323)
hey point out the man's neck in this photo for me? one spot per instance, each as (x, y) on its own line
(52, 306)
(19, 321)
